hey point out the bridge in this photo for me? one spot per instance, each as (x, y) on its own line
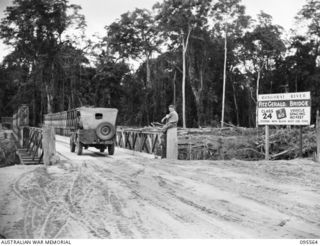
(138, 141)
(137, 194)
(145, 142)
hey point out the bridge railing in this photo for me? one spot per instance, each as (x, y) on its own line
(147, 141)
(32, 142)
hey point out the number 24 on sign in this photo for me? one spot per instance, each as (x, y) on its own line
(266, 116)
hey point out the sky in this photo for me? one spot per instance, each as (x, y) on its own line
(100, 13)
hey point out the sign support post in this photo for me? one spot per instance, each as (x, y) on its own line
(318, 136)
(267, 144)
(300, 143)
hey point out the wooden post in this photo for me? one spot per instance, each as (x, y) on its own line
(267, 156)
(318, 136)
(172, 144)
(300, 143)
(220, 148)
(25, 137)
(48, 145)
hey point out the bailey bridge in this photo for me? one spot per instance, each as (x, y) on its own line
(129, 141)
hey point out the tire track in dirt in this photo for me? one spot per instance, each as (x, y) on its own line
(16, 188)
(24, 194)
(75, 208)
(201, 208)
(156, 202)
(264, 192)
(217, 208)
(30, 197)
(26, 225)
(127, 197)
(110, 202)
(267, 198)
(221, 209)
(45, 223)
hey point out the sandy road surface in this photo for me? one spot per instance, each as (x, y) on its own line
(125, 196)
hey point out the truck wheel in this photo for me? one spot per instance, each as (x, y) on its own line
(102, 149)
(72, 145)
(111, 149)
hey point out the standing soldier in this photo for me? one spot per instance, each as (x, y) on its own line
(172, 121)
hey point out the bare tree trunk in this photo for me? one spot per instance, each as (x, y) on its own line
(224, 79)
(148, 72)
(34, 104)
(69, 103)
(183, 87)
(201, 109)
(34, 112)
(235, 103)
(257, 94)
(198, 99)
(174, 87)
(49, 99)
(184, 51)
(63, 96)
(50, 90)
(196, 89)
(41, 104)
(73, 92)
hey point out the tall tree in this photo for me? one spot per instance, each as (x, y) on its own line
(310, 70)
(35, 29)
(229, 17)
(310, 13)
(177, 19)
(135, 36)
(262, 46)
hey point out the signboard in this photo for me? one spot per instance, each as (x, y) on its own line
(284, 109)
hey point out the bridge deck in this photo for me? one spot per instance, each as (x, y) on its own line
(28, 158)
(126, 196)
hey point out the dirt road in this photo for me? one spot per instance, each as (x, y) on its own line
(125, 196)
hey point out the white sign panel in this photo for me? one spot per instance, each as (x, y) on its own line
(284, 109)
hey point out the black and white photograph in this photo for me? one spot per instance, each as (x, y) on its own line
(159, 119)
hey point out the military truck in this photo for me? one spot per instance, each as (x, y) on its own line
(87, 127)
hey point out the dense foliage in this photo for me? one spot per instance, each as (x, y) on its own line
(148, 59)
